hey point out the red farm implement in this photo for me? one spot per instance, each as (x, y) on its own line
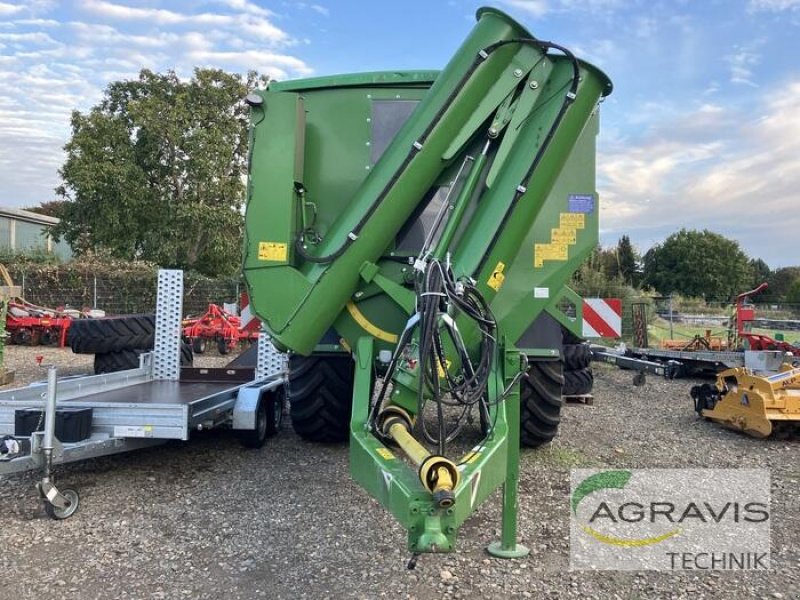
(216, 326)
(741, 327)
(31, 325)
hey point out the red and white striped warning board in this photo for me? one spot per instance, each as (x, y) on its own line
(602, 317)
(249, 321)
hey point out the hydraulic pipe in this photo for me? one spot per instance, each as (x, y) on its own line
(438, 475)
(461, 203)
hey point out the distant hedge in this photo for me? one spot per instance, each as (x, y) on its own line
(118, 287)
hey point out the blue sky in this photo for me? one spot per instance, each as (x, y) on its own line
(702, 131)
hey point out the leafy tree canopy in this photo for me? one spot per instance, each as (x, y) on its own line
(761, 272)
(781, 282)
(698, 264)
(156, 171)
(50, 209)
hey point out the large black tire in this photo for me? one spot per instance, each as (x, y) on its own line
(578, 382)
(540, 403)
(570, 338)
(112, 334)
(110, 362)
(321, 396)
(577, 356)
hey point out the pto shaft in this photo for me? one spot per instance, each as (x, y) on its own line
(438, 475)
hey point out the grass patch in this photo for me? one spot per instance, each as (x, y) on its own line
(558, 457)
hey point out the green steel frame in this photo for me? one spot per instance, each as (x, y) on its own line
(326, 214)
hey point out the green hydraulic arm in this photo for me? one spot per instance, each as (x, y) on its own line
(492, 159)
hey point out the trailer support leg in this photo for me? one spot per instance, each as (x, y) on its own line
(57, 504)
(508, 547)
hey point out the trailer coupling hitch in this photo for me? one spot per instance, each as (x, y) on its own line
(438, 475)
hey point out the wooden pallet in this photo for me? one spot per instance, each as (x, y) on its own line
(587, 399)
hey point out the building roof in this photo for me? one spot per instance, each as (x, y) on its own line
(27, 216)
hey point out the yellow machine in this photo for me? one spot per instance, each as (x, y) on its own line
(759, 405)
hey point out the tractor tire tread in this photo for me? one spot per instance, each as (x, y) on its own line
(320, 397)
(578, 382)
(112, 334)
(577, 356)
(540, 403)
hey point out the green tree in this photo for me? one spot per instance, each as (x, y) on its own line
(50, 208)
(781, 281)
(761, 272)
(793, 293)
(156, 171)
(698, 263)
(627, 261)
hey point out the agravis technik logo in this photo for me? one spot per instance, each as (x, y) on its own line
(670, 519)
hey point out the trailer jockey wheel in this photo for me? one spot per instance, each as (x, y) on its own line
(639, 379)
(59, 514)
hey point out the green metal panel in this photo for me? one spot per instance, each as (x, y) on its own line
(330, 285)
(530, 286)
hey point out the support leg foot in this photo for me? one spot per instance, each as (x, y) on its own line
(518, 551)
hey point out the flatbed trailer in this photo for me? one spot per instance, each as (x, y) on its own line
(157, 402)
(680, 363)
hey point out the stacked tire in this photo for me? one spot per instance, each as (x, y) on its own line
(540, 402)
(578, 376)
(117, 342)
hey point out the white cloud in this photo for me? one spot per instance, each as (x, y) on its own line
(250, 23)
(246, 6)
(536, 8)
(10, 9)
(774, 5)
(27, 38)
(320, 9)
(742, 63)
(713, 168)
(539, 8)
(50, 67)
(275, 65)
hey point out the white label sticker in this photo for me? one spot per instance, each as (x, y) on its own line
(541, 292)
(127, 431)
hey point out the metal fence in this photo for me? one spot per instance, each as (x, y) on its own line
(119, 295)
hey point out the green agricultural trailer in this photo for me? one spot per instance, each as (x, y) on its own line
(409, 236)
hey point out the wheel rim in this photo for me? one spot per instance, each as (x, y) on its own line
(74, 501)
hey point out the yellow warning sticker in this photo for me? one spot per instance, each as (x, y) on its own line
(497, 277)
(385, 453)
(272, 251)
(573, 220)
(561, 238)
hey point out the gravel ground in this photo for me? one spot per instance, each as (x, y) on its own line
(208, 519)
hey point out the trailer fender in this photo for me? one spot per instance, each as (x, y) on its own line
(246, 406)
(244, 411)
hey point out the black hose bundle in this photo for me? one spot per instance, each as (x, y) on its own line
(438, 292)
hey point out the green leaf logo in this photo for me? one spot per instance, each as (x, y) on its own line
(611, 480)
(599, 481)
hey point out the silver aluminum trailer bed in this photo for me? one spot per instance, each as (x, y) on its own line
(155, 403)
